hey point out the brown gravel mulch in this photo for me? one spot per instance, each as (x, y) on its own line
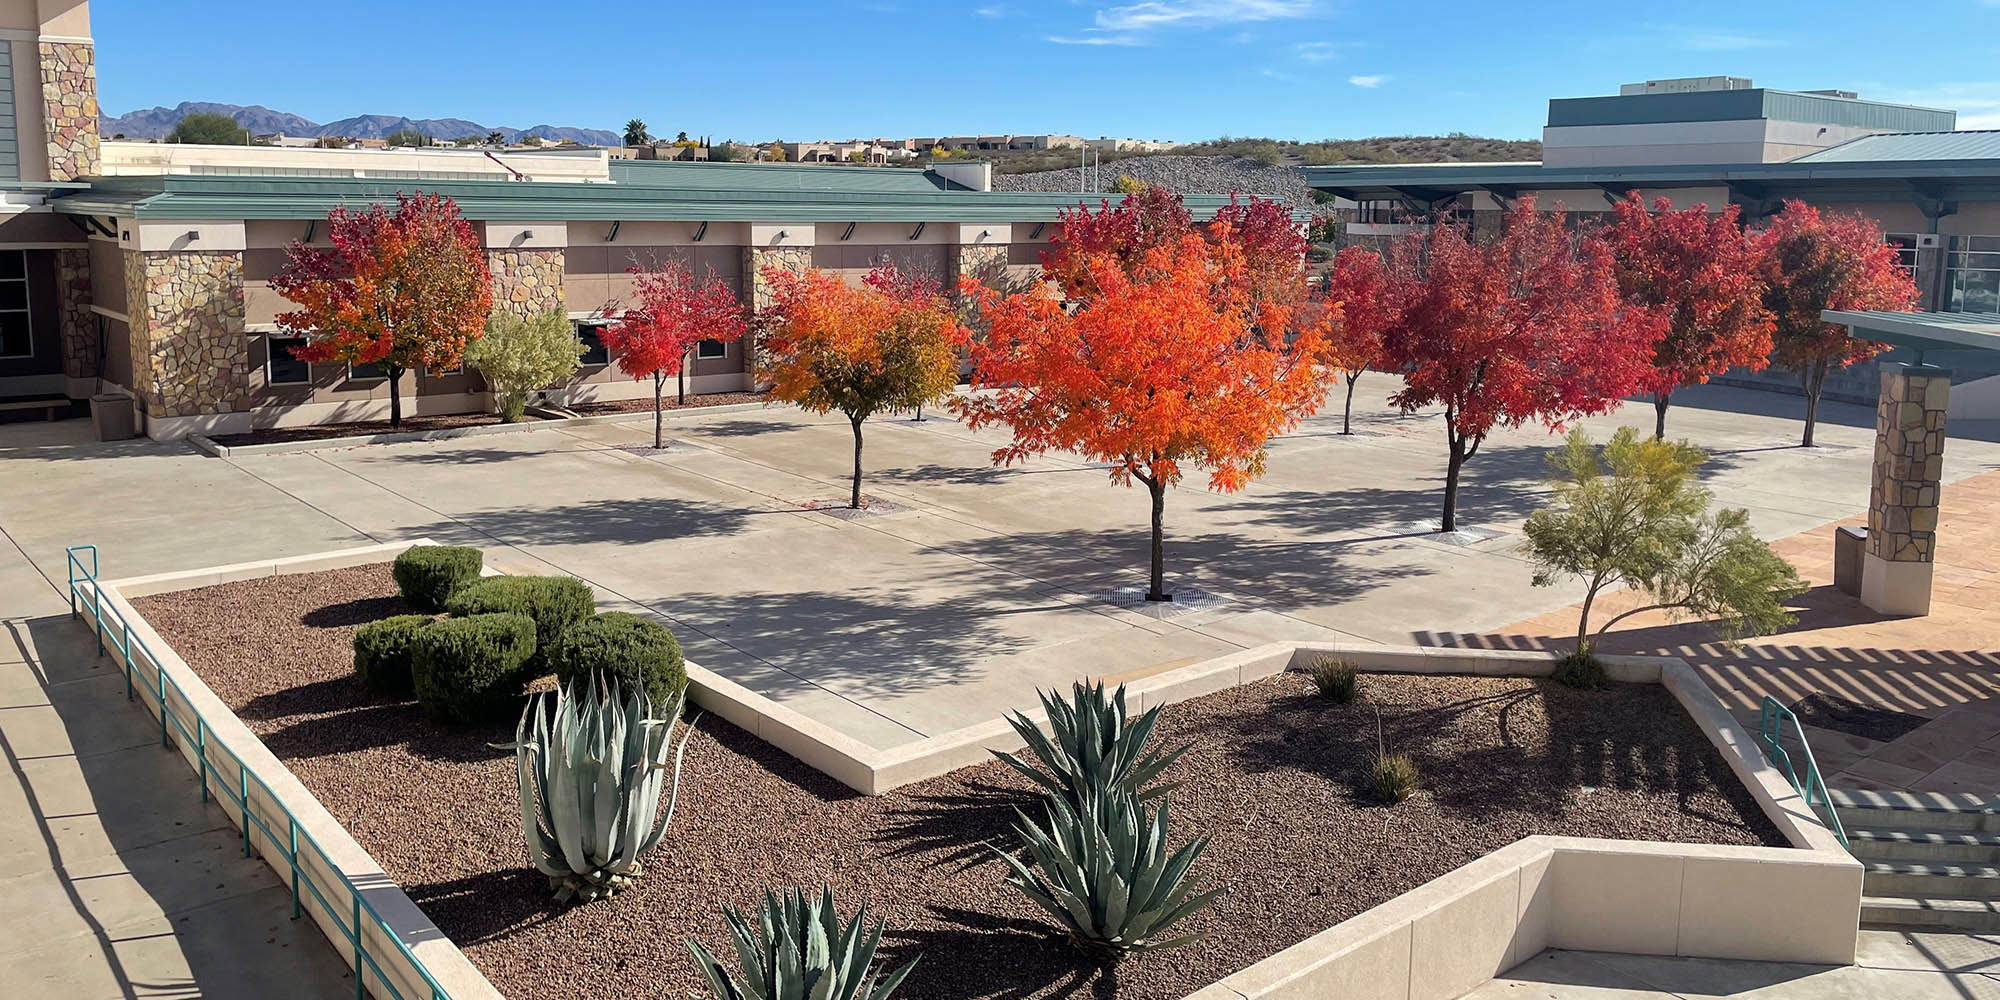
(1272, 775)
(320, 432)
(667, 403)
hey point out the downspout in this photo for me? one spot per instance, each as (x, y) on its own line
(519, 176)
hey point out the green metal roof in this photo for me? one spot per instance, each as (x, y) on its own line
(1748, 104)
(184, 196)
(1968, 339)
(1902, 146)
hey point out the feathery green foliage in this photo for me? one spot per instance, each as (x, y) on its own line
(589, 762)
(518, 355)
(1632, 514)
(1105, 873)
(1581, 669)
(798, 950)
(638, 653)
(1338, 680)
(427, 575)
(383, 651)
(1091, 751)
(470, 669)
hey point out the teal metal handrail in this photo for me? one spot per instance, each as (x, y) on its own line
(354, 913)
(1771, 731)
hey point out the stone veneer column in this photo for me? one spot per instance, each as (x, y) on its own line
(190, 355)
(69, 108)
(795, 259)
(1903, 496)
(986, 262)
(527, 281)
(73, 317)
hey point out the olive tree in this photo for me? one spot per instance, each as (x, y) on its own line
(1632, 514)
(518, 355)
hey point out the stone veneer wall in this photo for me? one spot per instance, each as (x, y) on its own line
(1909, 462)
(138, 347)
(190, 354)
(69, 108)
(81, 358)
(526, 281)
(755, 259)
(987, 262)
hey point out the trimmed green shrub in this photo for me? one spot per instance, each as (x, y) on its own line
(641, 654)
(383, 651)
(1337, 679)
(429, 574)
(1581, 669)
(470, 669)
(554, 602)
(1393, 777)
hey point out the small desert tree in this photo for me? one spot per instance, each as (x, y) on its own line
(1358, 287)
(1814, 261)
(1698, 274)
(1169, 364)
(1634, 516)
(521, 354)
(1527, 327)
(827, 345)
(399, 288)
(674, 312)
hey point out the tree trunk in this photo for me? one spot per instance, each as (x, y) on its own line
(659, 394)
(854, 501)
(1451, 470)
(682, 378)
(1347, 414)
(395, 396)
(1660, 402)
(1583, 619)
(1157, 589)
(1812, 378)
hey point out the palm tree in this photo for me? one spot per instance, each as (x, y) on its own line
(494, 138)
(683, 137)
(635, 133)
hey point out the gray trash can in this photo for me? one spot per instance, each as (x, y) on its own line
(1849, 544)
(111, 414)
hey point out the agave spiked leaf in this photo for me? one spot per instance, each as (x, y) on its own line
(589, 763)
(1106, 875)
(1090, 751)
(798, 950)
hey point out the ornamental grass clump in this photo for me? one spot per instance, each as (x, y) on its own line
(798, 950)
(1392, 777)
(1091, 750)
(589, 761)
(1581, 669)
(1337, 680)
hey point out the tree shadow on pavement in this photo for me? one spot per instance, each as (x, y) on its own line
(629, 521)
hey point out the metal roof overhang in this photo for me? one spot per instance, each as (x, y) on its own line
(1971, 180)
(1968, 340)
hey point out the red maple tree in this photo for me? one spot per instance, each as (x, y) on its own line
(1527, 327)
(1357, 286)
(1815, 261)
(1273, 244)
(1172, 363)
(399, 288)
(672, 313)
(1147, 218)
(1698, 274)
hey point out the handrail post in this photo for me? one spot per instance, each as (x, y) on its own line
(292, 834)
(243, 781)
(360, 950)
(201, 752)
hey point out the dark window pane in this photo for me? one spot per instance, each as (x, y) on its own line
(711, 349)
(371, 370)
(594, 351)
(285, 369)
(13, 295)
(13, 264)
(16, 339)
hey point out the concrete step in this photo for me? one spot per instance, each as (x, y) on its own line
(1961, 915)
(1936, 880)
(1916, 810)
(1960, 847)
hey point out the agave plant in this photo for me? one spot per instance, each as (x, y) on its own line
(799, 951)
(590, 768)
(1090, 751)
(1106, 875)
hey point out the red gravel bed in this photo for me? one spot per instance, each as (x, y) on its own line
(646, 405)
(1273, 776)
(320, 432)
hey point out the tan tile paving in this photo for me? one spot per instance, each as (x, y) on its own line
(1944, 666)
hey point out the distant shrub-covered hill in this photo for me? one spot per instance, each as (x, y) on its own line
(1456, 147)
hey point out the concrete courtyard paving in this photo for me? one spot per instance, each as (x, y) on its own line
(1890, 966)
(984, 584)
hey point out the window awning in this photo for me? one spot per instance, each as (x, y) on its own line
(1950, 340)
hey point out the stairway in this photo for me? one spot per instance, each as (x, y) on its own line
(1933, 859)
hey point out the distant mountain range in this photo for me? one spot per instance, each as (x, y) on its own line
(157, 123)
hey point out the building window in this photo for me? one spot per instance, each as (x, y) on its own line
(711, 349)
(457, 369)
(368, 372)
(17, 335)
(1973, 275)
(594, 352)
(280, 368)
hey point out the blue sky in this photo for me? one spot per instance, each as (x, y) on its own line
(1174, 69)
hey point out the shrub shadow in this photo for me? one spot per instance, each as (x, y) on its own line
(488, 905)
(1039, 960)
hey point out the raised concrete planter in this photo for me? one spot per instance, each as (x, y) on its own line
(1436, 942)
(209, 446)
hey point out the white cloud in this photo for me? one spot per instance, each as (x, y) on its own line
(1319, 52)
(1094, 40)
(1977, 102)
(1198, 13)
(991, 12)
(1281, 75)
(1370, 81)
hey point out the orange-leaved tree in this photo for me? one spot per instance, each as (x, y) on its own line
(399, 288)
(1836, 260)
(1147, 218)
(826, 345)
(1358, 288)
(1698, 273)
(674, 312)
(1170, 364)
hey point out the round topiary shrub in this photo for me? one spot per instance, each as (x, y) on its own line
(640, 653)
(471, 669)
(428, 575)
(383, 651)
(554, 602)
